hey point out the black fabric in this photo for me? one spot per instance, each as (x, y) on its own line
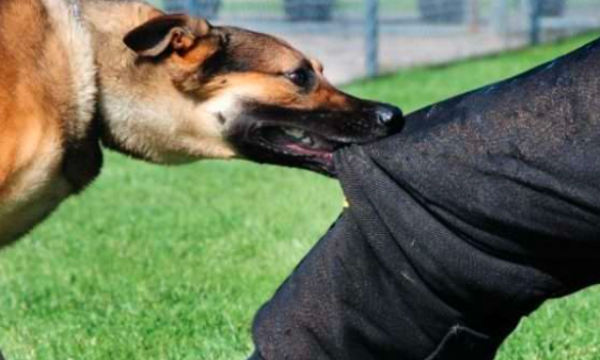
(482, 208)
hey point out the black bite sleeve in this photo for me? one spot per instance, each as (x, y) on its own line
(481, 209)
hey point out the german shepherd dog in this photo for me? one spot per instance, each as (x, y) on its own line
(167, 89)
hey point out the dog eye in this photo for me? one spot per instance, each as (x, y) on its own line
(300, 77)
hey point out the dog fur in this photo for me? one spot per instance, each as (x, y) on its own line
(168, 89)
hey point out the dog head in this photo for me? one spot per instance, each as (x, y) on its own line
(237, 93)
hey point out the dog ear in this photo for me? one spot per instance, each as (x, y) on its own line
(178, 32)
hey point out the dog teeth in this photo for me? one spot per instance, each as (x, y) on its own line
(300, 135)
(307, 140)
(295, 133)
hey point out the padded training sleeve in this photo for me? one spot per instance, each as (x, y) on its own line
(482, 208)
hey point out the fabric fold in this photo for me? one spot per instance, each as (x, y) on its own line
(485, 206)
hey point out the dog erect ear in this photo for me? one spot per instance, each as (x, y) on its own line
(178, 32)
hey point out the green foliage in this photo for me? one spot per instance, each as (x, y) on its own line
(172, 263)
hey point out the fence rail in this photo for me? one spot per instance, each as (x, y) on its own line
(356, 38)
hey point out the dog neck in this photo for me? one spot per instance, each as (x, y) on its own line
(78, 50)
(81, 140)
(133, 107)
(141, 111)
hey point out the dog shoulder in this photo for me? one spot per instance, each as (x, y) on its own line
(47, 101)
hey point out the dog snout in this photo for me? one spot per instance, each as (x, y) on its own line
(389, 116)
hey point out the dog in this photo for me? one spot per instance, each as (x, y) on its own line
(168, 89)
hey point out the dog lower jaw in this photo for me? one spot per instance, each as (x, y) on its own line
(325, 168)
(323, 158)
(286, 146)
(288, 156)
(297, 149)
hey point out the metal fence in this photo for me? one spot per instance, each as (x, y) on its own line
(357, 38)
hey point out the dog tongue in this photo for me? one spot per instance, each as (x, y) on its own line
(310, 152)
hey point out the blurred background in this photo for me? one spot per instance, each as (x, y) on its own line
(363, 38)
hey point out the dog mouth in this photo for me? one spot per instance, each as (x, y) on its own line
(307, 139)
(294, 146)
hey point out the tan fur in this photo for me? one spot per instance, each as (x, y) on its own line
(272, 90)
(126, 93)
(68, 79)
(48, 96)
(32, 129)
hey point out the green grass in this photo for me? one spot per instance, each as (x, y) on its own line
(172, 263)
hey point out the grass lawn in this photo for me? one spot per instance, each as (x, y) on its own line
(172, 263)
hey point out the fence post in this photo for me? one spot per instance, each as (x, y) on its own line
(535, 13)
(372, 37)
(474, 15)
(500, 17)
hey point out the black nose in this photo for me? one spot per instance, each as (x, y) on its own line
(390, 116)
